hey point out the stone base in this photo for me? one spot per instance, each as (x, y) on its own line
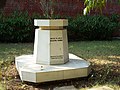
(32, 72)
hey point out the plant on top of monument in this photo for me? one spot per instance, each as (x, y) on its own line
(47, 7)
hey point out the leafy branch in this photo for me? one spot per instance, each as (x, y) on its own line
(95, 4)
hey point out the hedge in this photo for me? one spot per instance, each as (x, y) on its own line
(16, 28)
(19, 27)
(92, 27)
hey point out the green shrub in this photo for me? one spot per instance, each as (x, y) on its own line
(114, 18)
(91, 28)
(17, 27)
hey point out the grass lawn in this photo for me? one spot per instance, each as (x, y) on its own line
(103, 55)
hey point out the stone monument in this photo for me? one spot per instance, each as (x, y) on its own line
(50, 60)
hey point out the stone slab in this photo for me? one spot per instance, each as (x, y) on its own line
(50, 22)
(32, 72)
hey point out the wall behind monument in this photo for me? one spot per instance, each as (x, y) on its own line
(62, 7)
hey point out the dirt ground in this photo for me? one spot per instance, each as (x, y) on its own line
(100, 75)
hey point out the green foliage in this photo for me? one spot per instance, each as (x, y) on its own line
(91, 28)
(93, 4)
(17, 27)
(96, 4)
(115, 18)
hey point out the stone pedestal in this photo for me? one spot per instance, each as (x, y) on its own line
(51, 60)
(51, 45)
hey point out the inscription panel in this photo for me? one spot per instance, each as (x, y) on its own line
(56, 46)
(57, 57)
(54, 39)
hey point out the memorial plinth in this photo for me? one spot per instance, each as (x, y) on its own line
(51, 45)
(50, 60)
